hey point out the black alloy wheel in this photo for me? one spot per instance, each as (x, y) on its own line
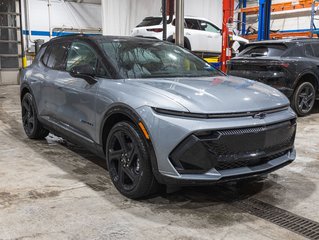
(129, 162)
(31, 125)
(304, 98)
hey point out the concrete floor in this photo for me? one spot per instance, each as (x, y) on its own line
(54, 190)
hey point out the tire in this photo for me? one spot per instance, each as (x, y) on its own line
(304, 98)
(128, 161)
(32, 126)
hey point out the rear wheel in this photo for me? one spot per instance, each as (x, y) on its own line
(304, 98)
(128, 161)
(31, 124)
(187, 44)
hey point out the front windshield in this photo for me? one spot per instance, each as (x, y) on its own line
(152, 59)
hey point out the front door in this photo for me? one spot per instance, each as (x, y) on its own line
(212, 37)
(76, 97)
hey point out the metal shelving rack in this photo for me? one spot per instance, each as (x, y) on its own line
(264, 11)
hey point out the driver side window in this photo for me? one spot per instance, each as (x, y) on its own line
(81, 54)
(207, 27)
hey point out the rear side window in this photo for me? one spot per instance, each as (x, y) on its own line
(264, 51)
(192, 24)
(46, 55)
(309, 51)
(56, 58)
(315, 48)
(150, 21)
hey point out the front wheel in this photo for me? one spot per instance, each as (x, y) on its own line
(128, 161)
(304, 98)
(31, 124)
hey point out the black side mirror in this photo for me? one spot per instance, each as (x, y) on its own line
(84, 71)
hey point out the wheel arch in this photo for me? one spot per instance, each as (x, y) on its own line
(115, 115)
(187, 43)
(24, 89)
(123, 112)
(307, 76)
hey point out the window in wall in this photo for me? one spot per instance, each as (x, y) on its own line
(7, 6)
(9, 45)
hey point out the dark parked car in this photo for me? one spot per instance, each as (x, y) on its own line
(156, 112)
(290, 65)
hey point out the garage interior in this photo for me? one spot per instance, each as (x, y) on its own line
(55, 189)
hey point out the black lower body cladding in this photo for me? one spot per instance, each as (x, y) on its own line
(233, 148)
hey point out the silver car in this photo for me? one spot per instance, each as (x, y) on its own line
(156, 112)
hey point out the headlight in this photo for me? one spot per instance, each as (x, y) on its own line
(217, 115)
(179, 113)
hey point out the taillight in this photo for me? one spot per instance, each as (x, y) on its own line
(285, 65)
(157, 30)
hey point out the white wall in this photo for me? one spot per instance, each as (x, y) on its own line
(121, 16)
(63, 14)
(210, 9)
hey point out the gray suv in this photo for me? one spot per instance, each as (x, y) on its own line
(156, 112)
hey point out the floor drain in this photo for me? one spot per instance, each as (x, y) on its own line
(280, 217)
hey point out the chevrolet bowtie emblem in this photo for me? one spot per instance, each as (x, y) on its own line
(260, 115)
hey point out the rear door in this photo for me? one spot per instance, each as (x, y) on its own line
(194, 34)
(53, 62)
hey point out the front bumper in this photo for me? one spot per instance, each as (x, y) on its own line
(169, 132)
(213, 176)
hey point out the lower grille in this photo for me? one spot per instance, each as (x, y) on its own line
(224, 165)
(233, 148)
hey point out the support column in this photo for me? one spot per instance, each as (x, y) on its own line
(264, 19)
(164, 16)
(179, 23)
(228, 18)
(244, 18)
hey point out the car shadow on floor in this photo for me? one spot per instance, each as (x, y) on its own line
(216, 204)
(218, 199)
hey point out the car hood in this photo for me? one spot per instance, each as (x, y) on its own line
(222, 94)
